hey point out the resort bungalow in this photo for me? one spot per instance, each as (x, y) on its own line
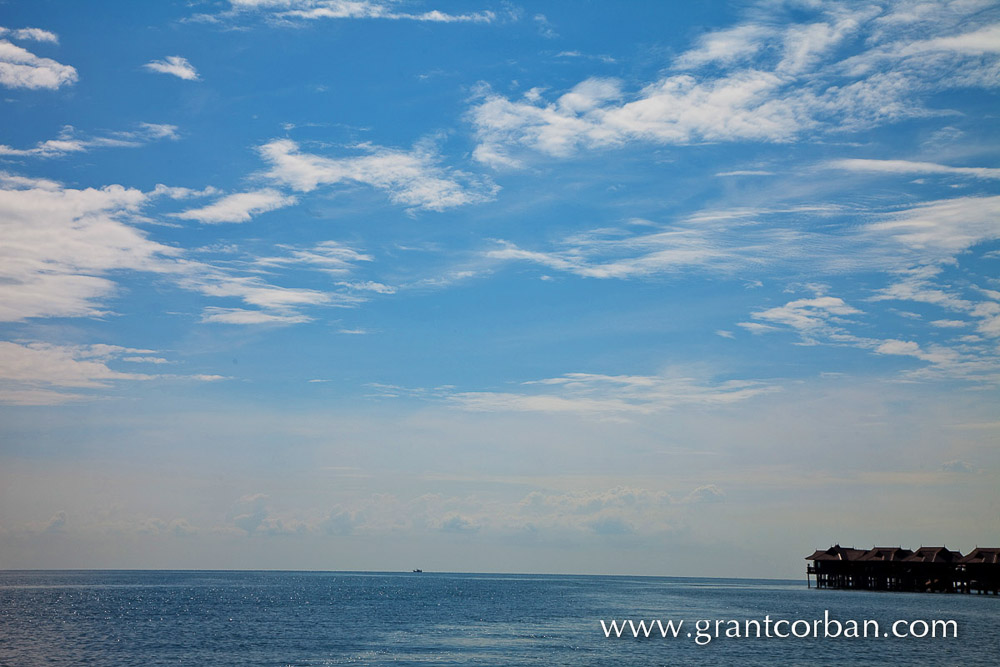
(981, 570)
(932, 569)
(928, 569)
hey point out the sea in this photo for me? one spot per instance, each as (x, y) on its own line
(337, 618)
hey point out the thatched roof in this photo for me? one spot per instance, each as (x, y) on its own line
(933, 555)
(837, 552)
(989, 555)
(886, 554)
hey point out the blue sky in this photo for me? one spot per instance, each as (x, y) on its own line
(658, 288)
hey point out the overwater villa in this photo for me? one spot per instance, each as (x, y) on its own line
(928, 569)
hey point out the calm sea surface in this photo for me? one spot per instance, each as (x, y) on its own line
(333, 618)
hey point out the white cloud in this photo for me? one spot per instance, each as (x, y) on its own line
(803, 46)
(254, 515)
(37, 397)
(579, 512)
(936, 231)
(328, 256)
(410, 178)
(62, 246)
(594, 502)
(174, 65)
(655, 253)
(11, 181)
(183, 193)
(907, 167)
(60, 365)
(251, 290)
(726, 46)
(745, 172)
(709, 493)
(59, 244)
(604, 58)
(969, 357)
(545, 28)
(936, 355)
(277, 305)
(750, 82)
(158, 526)
(917, 285)
(39, 373)
(32, 34)
(239, 207)
(146, 360)
(958, 466)
(825, 320)
(983, 41)
(68, 142)
(676, 110)
(454, 523)
(807, 315)
(19, 68)
(719, 241)
(989, 314)
(609, 396)
(243, 316)
(911, 245)
(353, 9)
(369, 286)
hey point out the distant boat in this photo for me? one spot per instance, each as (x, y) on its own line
(418, 570)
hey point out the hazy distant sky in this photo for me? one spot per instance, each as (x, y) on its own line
(680, 288)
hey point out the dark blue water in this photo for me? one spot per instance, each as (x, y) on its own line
(332, 618)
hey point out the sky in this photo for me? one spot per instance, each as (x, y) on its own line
(621, 288)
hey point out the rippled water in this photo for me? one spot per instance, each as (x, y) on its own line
(331, 618)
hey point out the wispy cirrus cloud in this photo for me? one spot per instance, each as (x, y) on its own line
(909, 246)
(910, 167)
(720, 242)
(936, 354)
(330, 257)
(69, 142)
(272, 304)
(936, 231)
(175, 66)
(912, 246)
(745, 172)
(609, 396)
(890, 240)
(413, 178)
(827, 320)
(353, 9)
(369, 286)
(20, 68)
(985, 40)
(249, 317)
(47, 374)
(981, 307)
(819, 315)
(239, 207)
(640, 255)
